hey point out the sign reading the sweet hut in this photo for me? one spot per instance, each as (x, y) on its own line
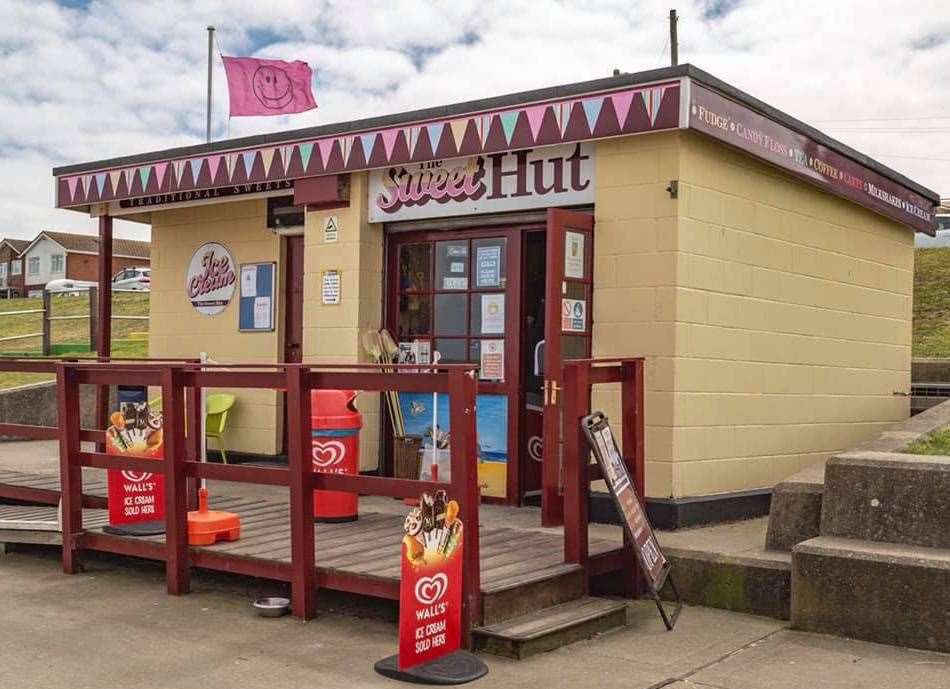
(492, 183)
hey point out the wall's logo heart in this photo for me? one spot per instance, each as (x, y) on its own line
(535, 448)
(136, 476)
(328, 454)
(431, 589)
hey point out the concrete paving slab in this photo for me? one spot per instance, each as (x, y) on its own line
(792, 660)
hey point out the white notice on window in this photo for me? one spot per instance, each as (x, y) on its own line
(262, 313)
(493, 314)
(574, 255)
(248, 281)
(492, 360)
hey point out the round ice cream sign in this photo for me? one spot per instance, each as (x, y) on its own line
(209, 282)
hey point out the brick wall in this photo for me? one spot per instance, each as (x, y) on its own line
(794, 314)
(86, 266)
(177, 330)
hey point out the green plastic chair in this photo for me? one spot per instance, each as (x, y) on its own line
(217, 407)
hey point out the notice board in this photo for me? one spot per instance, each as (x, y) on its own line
(257, 306)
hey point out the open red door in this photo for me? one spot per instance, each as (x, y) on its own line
(567, 333)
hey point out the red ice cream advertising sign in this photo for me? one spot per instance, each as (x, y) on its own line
(430, 593)
(764, 138)
(135, 496)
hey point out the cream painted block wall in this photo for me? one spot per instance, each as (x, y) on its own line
(635, 276)
(331, 334)
(177, 330)
(793, 315)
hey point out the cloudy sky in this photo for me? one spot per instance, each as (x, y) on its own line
(90, 80)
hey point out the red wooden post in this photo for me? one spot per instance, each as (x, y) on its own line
(104, 317)
(70, 472)
(464, 453)
(632, 434)
(177, 575)
(302, 557)
(576, 463)
(193, 436)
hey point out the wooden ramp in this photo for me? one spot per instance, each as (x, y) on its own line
(43, 489)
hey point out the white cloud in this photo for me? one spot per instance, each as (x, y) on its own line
(112, 78)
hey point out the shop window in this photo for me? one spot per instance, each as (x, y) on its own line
(56, 263)
(33, 265)
(451, 292)
(282, 213)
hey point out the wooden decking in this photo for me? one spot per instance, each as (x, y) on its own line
(369, 548)
(43, 489)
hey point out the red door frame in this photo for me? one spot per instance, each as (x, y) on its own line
(560, 221)
(512, 387)
(293, 310)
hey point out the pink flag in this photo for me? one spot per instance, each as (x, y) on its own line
(268, 87)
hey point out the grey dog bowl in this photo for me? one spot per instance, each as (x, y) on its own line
(272, 607)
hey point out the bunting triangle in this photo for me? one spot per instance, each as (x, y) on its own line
(347, 148)
(389, 140)
(195, 165)
(368, 141)
(248, 157)
(286, 153)
(621, 103)
(128, 172)
(565, 109)
(71, 185)
(267, 157)
(100, 182)
(214, 162)
(412, 137)
(160, 169)
(114, 177)
(435, 134)
(508, 121)
(592, 107)
(458, 132)
(177, 167)
(232, 164)
(145, 174)
(535, 116)
(486, 128)
(652, 99)
(326, 150)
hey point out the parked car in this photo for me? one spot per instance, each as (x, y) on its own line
(68, 286)
(138, 279)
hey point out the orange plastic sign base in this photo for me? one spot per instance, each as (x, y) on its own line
(207, 527)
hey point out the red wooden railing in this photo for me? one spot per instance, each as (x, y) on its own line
(180, 383)
(569, 506)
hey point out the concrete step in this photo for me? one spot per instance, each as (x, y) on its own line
(508, 598)
(795, 512)
(888, 497)
(758, 583)
(883, 592)
(545, 630)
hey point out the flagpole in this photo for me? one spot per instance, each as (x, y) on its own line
(208, 122)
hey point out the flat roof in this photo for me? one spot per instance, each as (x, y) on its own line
(511, 99)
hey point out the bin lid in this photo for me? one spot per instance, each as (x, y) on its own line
(331, 409)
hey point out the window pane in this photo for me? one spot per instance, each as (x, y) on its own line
(452, 351)
(487, 314)
(450, 314)
(414, 317)
(414, 271)
(490, 262)
(574, 347)
(451, 265)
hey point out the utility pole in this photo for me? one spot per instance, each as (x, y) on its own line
(674, 47)
(208, 120)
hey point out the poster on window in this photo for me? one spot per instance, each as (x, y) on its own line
(488, 266)
(491, 425)
(573, 315)
(574, 255)
(493, 314)
(492, 364)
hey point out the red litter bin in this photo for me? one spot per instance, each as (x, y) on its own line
(335, 424)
